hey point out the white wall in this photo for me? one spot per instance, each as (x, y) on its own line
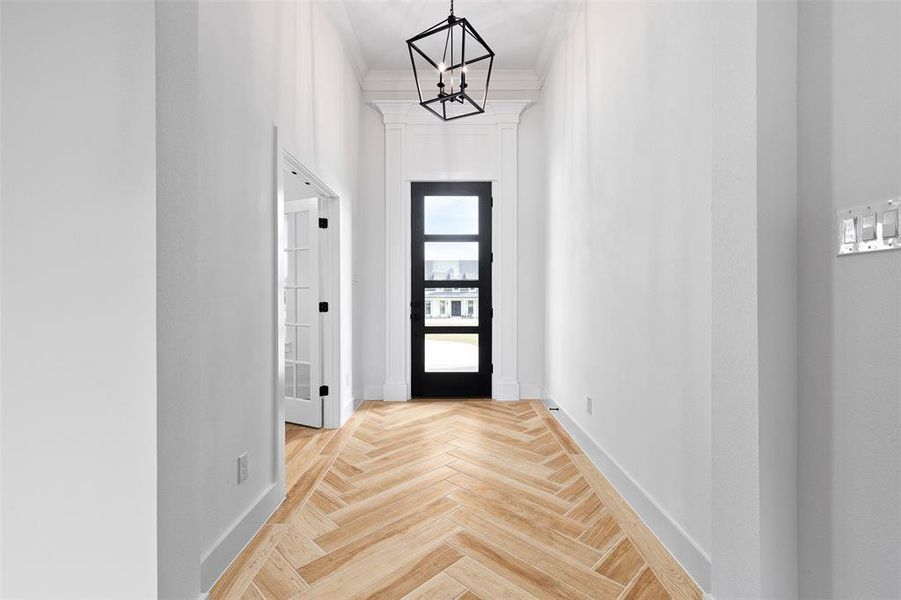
(369, 265)
(850, 322)
(78, 300)
(777, 293)
(258, 65)
(531, 190)
(735, 383)
(628, 146)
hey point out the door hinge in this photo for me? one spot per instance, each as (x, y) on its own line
(491, 312)
(323, 307)
(491, 370)
(323, 223)
(492, 202)
(492, 257)
(323, 390)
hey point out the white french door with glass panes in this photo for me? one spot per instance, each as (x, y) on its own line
(303, 350)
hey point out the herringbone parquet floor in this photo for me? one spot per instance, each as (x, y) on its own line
(450, 500)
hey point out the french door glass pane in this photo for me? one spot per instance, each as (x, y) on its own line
(303, 229)
(304, 268)
(291, 230)
(291, 274)
(451, 261)
(290, 306)
(303, 343)
(303, 382)
(451, 215)
(451, 353)
(290, 343)
(289, 380)
(451, 307)
(304, 306)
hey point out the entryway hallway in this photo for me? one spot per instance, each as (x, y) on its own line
(453, 500)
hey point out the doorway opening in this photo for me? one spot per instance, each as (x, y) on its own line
(307, 307)
(451, 314)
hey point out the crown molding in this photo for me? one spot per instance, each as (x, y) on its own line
(563, 19)
(337, 12)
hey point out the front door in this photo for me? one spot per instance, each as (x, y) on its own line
(303, 351)
(451, 290)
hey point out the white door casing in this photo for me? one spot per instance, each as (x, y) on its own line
(479, 148)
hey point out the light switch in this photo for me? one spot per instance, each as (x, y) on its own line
(868, 228)
(871, 227)
(890, 223)
(849, 230)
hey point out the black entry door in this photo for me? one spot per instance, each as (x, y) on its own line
(451, 289)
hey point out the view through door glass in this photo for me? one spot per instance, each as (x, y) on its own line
(450, 305)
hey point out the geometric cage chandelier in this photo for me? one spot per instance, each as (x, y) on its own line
(447, 59)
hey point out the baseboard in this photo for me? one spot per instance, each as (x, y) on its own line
(373, 392)
(506, 390)
(349, 409)
(687, 553)
(218, 558)
(395, 392)
(530, 392)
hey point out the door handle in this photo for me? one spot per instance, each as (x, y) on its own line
(415, 317)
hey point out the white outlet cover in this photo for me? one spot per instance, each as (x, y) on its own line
(242, 468)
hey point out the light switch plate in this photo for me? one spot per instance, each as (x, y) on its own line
(868, 228)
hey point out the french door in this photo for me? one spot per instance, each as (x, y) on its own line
(450, 306)
(303, 350)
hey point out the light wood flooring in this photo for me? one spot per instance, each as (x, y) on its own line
(449, 500)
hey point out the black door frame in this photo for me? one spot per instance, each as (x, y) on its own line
(450, 385)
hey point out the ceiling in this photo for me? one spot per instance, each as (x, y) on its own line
(518, 31)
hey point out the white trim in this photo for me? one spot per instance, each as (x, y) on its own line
(680, 544)
(406, 121)
(230, 544)
(337, 11)
(373, 392)
(556, 30)
(331, 330)
(352, 406)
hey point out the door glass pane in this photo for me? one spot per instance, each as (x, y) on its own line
(451, 353)
(303, 229)
(304, 268)
(304, 306)
(303, 381)
(451, 307)
(290, 306)
(289, 380)
(290, 343)
(451, 260)
(303, 344)
(291, 274)
(291, 230)
(451, 215)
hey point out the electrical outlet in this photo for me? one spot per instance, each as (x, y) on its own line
(242, 468)
(588, 404)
